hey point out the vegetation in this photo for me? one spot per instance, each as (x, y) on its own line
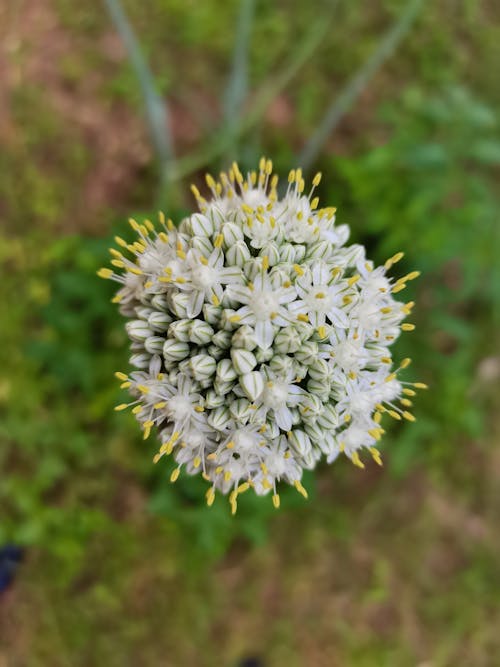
(378, 567)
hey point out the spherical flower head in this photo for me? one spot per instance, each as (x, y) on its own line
(260, 339)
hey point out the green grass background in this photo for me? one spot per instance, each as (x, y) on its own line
(397, 566)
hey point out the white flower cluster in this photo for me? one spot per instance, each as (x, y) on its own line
(261, 340)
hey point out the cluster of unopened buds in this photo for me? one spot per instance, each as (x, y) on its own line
(261, 340)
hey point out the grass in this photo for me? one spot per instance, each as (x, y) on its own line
(381, 567)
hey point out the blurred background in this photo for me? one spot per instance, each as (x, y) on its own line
(111, 110)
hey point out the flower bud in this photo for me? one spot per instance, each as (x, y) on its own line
(154, 344)
(243, 361)
(201, 225)
(202, 366)
(244, 338)
(200, 332)
(219, 418)
(138, 330)
(222, 339)
(232, 234)
(238, 254)
(180, 330)
(211, 314)
(300, 442)
(287, 340)
(174, 350)
(159, 321)
(226, 371)
(252, 385)
(307, 353)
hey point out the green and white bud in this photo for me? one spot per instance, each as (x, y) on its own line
(202, 366)
(226, 372)
(175, 350)
(138, 330)
(238, 254)
(201, 225)
(180, 330)
(219, 418)
(307, 353)
(159, 321)
(252, 385)
(154, 344)
(244, 361)
(244, 338)
(200, 333)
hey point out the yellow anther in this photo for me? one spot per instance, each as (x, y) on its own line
(405, 363)
(121, 376)
(376, 455)
(406, 402)
(353, 280)
(394, 414)
(210, 496)
(347, 418)
(291, 176)
(300, 488)
(122, 406)
(394, 259)
(125, 385)
(218, 470)
(135, 270)
(215, 300)
(407, 327)
(243, 487)
(199, 408)
(420, 385)
(175, 475)
(321, 331)
(137, 409)
(375, 433)
(203, 260)
(234, 318)
(390, 377)
(230, 445)
(409, 392)
(160, 405)
(356, 460)
(121, 242)
(276, 500)
(407, 415)
(105, 273)
(212, 456)
(398, 288)
(298, 269)
(346, 300)
(197, 462)
(386, 360)
(351, 375)
(227, 475)
(142, 388)
(320, 295)
(386, 310)
(377, 417)
(317, 179)
(218, 240)
(210, 181)
(302, 317)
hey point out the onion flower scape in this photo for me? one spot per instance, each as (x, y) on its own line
(260, 338)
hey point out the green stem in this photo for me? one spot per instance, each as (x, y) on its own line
(343, 102)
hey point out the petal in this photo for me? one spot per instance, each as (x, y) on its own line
(286, 295)
(283, 418)
(195, 304)
(264, 334)
(238, 293)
